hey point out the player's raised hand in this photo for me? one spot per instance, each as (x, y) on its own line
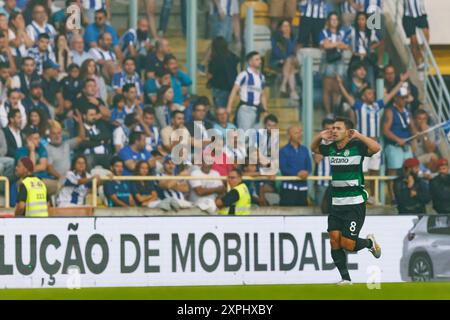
(354, 134)
(326, 134)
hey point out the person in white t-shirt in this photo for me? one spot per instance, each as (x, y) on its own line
(204, 192)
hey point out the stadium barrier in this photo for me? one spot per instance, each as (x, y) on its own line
(5, 180)
(376, 179)
(181, 251)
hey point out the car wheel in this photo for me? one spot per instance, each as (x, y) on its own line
(420, 268)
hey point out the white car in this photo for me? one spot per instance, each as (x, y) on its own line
(426, 250)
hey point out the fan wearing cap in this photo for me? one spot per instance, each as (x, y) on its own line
(440, 188)
(32, 193)
(50, 85)
(411, 191)
(397, 127)
(35, 99)
(71, 86)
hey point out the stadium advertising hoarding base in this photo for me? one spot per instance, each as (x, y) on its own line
(177, 251)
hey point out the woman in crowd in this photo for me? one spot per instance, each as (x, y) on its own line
(89, 71)
(37, 120)
(332, 41)
(62, 53)
(144, 191)
(364, 42)
(18, 37)
(76, 184)
(222, 71)
(164, 106)
(283, 57)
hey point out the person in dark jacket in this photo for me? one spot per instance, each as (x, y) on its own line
(283, 57)
(222, 71)
(411, 192)
(440, 188)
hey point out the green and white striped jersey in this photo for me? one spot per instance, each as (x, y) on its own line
(346, 171)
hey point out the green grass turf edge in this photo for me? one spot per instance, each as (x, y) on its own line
(401, 291)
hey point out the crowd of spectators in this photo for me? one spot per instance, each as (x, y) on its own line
(90, 101)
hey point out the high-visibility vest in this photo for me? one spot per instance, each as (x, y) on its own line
(243, 205)
(36, 205)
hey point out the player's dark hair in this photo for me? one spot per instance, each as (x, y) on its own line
(347, 122)
(128, 86)
(102, 35)
(148, 110)
(135, 136)
(271, 117)
(114, 160)
(250, 55)
(129, 59)
(168, 58)
(237, 170)
(44, 36)
(138, 167)
(201, 100)
(87, 81)
(357, 66)
(74, 161)
(363, 90)
(30, 131)
(420, 112)
(326, 122)
(117, 98)
(174, 113)
(91, 107)
(101, 11)
(12, 113)
(161, 72)
(129, 120)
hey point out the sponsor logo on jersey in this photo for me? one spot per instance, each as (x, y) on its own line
(338, 160)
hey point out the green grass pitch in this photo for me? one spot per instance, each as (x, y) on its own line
(407, 291)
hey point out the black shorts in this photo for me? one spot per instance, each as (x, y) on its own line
(410, 24)
(347, 219)
(309, 31)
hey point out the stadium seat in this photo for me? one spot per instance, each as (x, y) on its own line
(262, 39)
(261, 11)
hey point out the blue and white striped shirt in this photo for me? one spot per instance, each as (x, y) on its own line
(40, 57)
(251, 86)
(121, 78)
(34, 30)
(368, 117)
(93, 4)
(313, 9)
(324, 170)
(130, 38)
(72, 193)
(171, 193)
(361, 40)
(326, 34)
(369, 6)
(100, 54)
(414, 8)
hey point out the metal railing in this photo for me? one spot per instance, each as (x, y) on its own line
(5, 180)
(377, 181)
(436, 91)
